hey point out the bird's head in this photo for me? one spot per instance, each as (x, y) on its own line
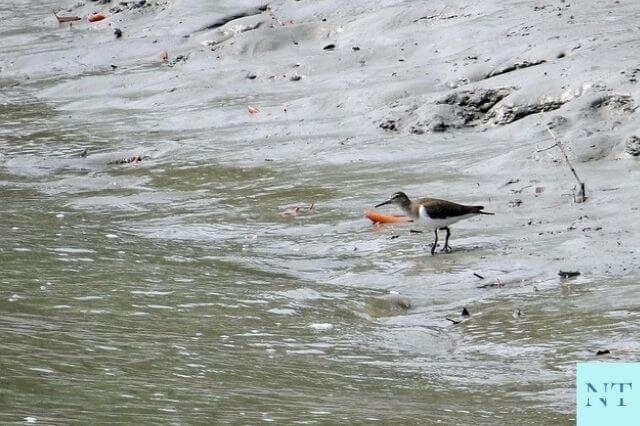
(399, 198)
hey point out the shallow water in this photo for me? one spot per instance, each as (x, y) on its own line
(174, 290)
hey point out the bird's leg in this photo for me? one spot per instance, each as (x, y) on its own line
(446, 248)
(435, 243)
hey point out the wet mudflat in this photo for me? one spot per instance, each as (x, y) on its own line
(151, 269)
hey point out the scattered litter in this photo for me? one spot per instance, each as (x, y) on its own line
(603, 352)
(99, 16)
(135, 159)
(415, 231)
(568, 274)
(251, 76)
(164, 55)
(63, 19)
(295, 77)
(478, 275)
(117, 32)
(465, 312)
(453, 321)
(296, 211)
(330, 46)
(253, 109)
(497, 284)
(377, 217)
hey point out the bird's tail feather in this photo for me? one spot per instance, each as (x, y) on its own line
(478, 210)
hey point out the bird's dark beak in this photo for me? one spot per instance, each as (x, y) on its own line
(384, 203)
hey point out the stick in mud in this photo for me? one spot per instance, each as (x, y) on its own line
(580, 196)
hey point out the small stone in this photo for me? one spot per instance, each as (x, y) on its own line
(117, 32)
(251, 76)
(568, 274)
(295, 77)
(330, 46)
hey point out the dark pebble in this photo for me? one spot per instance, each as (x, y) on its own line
(604, 352)
(117, 32)
(465, 312)
(329, 46)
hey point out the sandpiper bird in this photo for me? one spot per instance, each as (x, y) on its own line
(435, 213)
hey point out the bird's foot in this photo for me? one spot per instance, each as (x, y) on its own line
(433, 249)
(446, 249)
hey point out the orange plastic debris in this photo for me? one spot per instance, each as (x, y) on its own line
(253, 109)
(377, 217)
(96, 17)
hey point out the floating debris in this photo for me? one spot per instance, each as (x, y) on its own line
(603, 352)
(568, 274)
(253, 109)
(296, 211)
(134, 159)
(465, 312)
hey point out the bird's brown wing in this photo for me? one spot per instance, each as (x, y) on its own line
(442, 209)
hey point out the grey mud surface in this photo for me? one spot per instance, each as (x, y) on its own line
(333, 319)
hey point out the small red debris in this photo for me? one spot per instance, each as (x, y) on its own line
(96, 17)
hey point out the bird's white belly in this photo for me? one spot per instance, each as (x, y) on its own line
(439, 223)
